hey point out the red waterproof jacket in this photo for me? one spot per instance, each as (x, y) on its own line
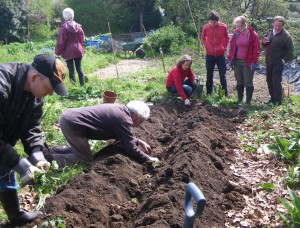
(215, 39)
(70, 41)
(253, 48)
(177, 76)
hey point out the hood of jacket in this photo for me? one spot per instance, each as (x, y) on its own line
(71, 26)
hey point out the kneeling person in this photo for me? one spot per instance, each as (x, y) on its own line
(101, 122)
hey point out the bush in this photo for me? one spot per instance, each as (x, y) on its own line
(170, 38)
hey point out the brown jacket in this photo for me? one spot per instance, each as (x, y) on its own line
(106, 121)
(279, 48)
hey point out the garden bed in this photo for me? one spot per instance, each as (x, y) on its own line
(195, 144)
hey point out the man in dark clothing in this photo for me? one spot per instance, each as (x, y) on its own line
(101, 122)
(22, 88)
(279, 49)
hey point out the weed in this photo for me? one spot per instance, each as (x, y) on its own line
(293, 209)
(292, 178)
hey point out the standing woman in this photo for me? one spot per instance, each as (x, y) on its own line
(181, 79)
(70, 44)
(243, 55)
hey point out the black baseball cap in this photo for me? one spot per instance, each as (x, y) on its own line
(54, 69)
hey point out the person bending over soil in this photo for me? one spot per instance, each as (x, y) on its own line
(101, 122)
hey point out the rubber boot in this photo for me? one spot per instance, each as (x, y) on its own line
(16, 216)
(249, 93)
(240, 92)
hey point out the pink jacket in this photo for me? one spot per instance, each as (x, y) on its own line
(215, 39)
(70, 41)
(253, 48)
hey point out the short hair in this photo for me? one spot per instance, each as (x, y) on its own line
(140, 108)
(68, 14)
(182, 59)
(279, 18)
(243, 19)
(213, 16)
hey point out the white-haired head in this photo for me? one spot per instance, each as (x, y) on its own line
(68, 14)
(139, 108)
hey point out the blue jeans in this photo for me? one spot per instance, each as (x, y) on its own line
(70, 65)
(188, 88)
(211, 61)
(7, 180)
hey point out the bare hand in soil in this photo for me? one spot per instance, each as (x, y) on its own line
(145, 147)
(187, 102)
(154, 159)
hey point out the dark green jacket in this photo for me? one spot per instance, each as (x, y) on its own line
(20, 114)
(279, 48)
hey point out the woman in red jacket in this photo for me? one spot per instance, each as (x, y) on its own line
(70, 44)
(243, 55)
(181, 79)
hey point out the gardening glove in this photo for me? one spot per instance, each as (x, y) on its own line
(187, 102)
(253, 66)
(37, 158)
(26, 171)
(228, 65)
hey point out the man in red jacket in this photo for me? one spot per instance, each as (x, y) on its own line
(215, 39)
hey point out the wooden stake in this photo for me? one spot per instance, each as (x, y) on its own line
(162, 58)
(113, 49)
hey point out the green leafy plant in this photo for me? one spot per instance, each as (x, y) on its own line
(293, 209)
(292, 178)
(58, 222)
(50, 181)
(287, 149)
(169, 38)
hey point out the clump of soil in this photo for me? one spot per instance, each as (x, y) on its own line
(194, 144)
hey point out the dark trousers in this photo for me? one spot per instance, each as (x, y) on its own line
(274, 80)
(70, 65)
(211, 61)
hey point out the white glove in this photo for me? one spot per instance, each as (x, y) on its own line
(187, 102)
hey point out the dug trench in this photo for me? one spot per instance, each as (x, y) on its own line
(194, 144)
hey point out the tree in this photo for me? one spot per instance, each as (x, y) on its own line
(13, 21)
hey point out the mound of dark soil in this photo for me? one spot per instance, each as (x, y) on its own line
(194, 145)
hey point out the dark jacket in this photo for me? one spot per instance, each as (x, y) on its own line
(106, 121)
(20, 114)
(253, 48)
(279, 48)
(70, 41)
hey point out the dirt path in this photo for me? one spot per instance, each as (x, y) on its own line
(123, 67)
(127, 66)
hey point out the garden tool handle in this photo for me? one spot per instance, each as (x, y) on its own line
(192, 191)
